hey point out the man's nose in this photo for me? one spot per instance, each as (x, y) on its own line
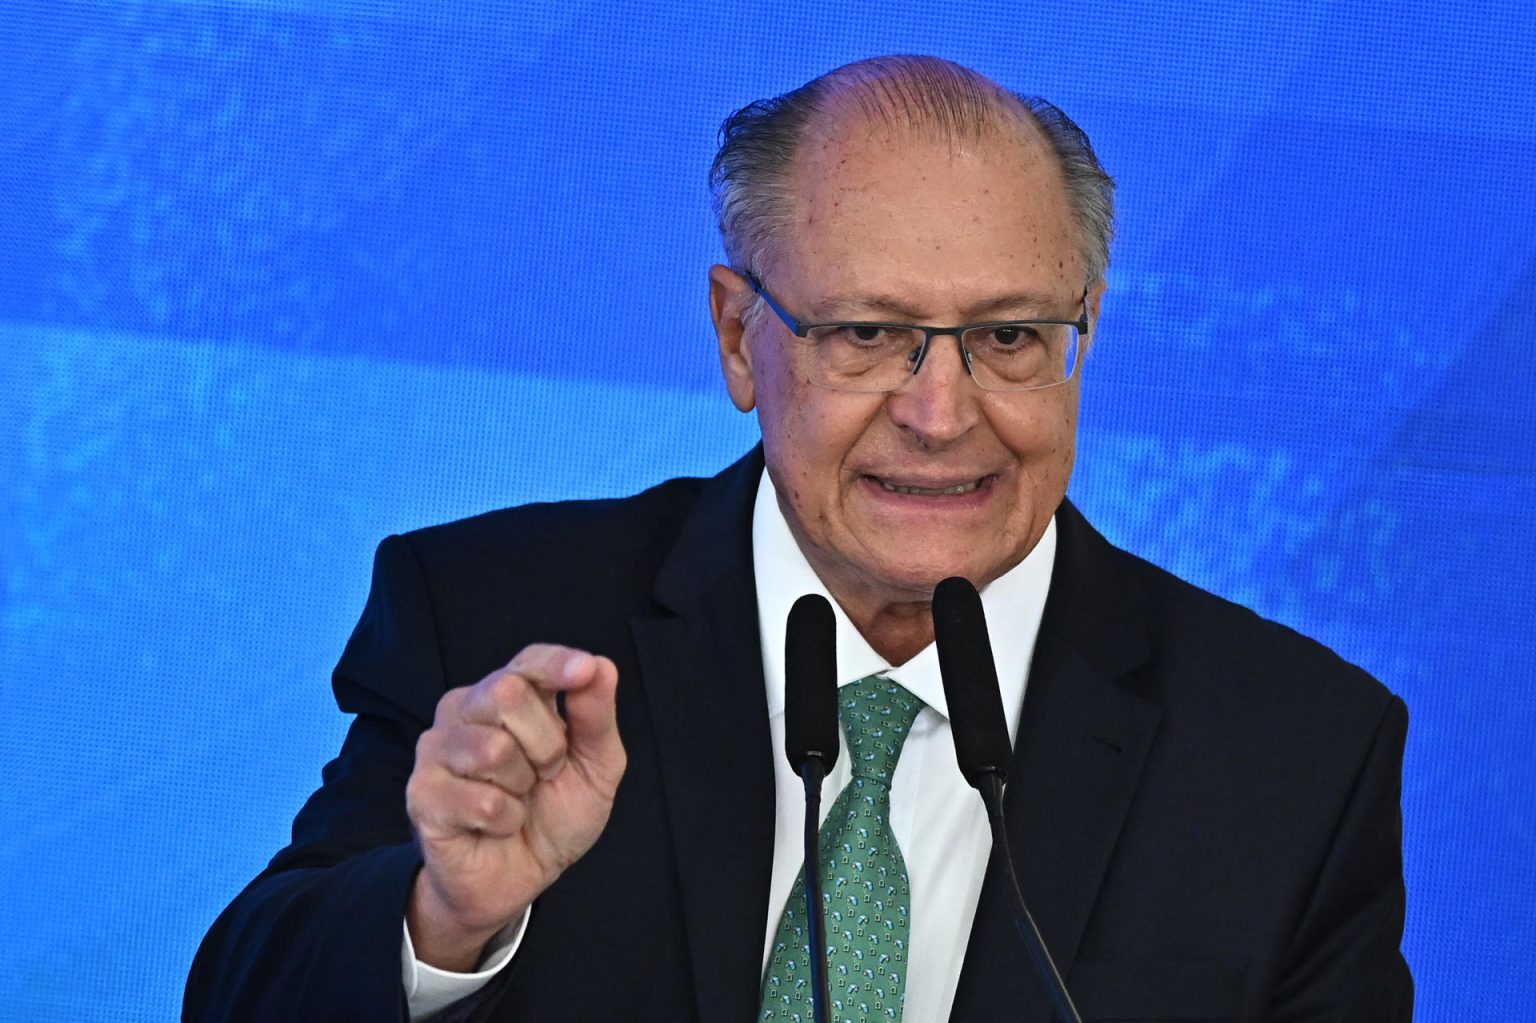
(938, 404)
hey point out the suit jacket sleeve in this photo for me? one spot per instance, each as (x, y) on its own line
(1345, 962)
(317, 934)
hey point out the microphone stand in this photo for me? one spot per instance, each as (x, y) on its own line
(983, 750)
(813, 772)
(991, 788)
(811, 744)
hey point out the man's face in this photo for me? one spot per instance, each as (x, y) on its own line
(889, 226)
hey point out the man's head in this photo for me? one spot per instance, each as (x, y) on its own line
(751, 179)
(913, 190)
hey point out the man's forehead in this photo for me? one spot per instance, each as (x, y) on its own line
(884, 209)
(883, 171)
(855, 134)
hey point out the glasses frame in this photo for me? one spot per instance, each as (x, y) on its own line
(803, 329)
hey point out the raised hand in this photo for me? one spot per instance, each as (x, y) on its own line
(505, 795)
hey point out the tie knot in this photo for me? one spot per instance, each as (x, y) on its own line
(877, 714)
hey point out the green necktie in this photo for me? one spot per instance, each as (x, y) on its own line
(864, 878)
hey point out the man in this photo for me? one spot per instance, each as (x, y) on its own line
(565, 775)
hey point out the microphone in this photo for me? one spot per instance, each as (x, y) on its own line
(983, 750)
(810, 684)
(970, 684)
(810, 742)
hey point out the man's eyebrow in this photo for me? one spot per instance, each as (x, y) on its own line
(1015, 305)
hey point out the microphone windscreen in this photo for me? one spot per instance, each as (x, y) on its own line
(970, 682)
(810, 682)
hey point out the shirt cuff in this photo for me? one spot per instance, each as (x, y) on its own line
(429, 990)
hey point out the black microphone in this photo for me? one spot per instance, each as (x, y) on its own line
(970, 683)
(810, 742)
(810, 683)
(982, 747)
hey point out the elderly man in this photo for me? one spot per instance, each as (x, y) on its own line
(564, 778)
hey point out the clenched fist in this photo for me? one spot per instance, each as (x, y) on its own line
(505, 795)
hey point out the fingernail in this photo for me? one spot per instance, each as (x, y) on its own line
(574, 664)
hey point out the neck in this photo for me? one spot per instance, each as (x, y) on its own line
(897, 632)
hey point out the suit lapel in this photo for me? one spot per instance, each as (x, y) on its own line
(703, 678)
(1077, 760)
(1083, 736)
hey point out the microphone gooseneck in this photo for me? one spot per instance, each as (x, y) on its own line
(810, 743)
(983, 750)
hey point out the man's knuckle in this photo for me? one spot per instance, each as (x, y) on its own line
(535, 652)
(489, 805)
(471, 758)
(496, 747)
(508, 690)
(418, 797)
(449, 705)
(427, 745)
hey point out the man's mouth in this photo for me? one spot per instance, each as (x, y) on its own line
(958, 488)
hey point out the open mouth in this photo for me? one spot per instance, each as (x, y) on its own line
(959, 488)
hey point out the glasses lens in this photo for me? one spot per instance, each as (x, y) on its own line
(1022, 356)
(864, 356)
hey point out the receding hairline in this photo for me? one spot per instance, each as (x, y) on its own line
(932, 98)
(857, 105)
(765, 143)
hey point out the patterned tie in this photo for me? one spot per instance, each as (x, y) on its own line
(864, 878)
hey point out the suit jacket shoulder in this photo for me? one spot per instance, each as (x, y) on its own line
(1202, 801)
(1226, 646)
(317, 935)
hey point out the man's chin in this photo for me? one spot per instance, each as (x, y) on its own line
(915, 576)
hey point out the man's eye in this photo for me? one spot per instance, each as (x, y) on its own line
(865, 336)
(1012, 336)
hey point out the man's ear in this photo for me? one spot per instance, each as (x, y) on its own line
(1095, 296)
(1093, 299)
(729, 297)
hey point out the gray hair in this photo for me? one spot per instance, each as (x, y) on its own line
(749, 179)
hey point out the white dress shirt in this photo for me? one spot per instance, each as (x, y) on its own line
(938, 820)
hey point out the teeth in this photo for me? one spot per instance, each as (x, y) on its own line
(960, 488)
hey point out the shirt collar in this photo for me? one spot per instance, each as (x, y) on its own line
(1013, 604)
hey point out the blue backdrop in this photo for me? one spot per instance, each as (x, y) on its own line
(279, 277)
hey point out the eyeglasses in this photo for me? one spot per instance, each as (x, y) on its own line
(873, 357)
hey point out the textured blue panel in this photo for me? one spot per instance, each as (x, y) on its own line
(278, 277)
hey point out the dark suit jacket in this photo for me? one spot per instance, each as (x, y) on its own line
(1204, 805)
